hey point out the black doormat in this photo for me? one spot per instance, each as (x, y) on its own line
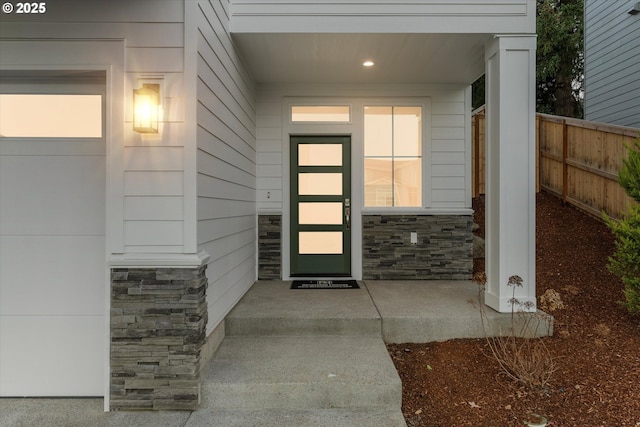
(325, 284)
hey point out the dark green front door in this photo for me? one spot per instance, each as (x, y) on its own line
(320, 205)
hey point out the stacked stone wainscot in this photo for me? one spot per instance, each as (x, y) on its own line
(158, 329)
(269, 247)
(443, 250)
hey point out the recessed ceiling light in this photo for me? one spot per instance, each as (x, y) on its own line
(368, 63)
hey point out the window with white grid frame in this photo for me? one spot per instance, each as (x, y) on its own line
(392, 156)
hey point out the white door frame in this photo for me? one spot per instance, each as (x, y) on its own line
(354, 129)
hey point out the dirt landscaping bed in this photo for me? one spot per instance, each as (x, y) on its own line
(596, 344)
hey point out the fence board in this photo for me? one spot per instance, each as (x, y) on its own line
(577, 160)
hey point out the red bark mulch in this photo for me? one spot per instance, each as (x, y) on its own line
(596, 344)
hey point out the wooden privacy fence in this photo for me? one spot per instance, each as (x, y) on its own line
(577, 160)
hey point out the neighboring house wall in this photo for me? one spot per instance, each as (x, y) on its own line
(226, 161)
(612, 62)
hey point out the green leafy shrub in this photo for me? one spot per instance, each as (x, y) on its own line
(625, 262)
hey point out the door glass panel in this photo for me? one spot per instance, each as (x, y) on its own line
(320, 213)
(50, 116)
(320, 242)
(320, 184)
(320, 155)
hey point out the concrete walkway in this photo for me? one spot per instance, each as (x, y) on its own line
(300, 357)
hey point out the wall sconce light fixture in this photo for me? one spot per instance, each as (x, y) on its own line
(635, 10)
(146, 108)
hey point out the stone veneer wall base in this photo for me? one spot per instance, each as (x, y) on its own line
(443, 251)
(158, 330)
(269, 247)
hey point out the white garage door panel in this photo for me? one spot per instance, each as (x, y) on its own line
(63, 195)
(54, 275)
(51, 356)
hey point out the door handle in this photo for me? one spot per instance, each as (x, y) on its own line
(347, 217)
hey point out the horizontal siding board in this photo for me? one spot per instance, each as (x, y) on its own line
(448, 183)
(154, 158)
(270, 184)
(613, 85)
(220, 25)
(448, 158)
(269, 120)
(448, 120)
(230, 244)
(448, 170)
(447, 133)
(212, 167)
(210, 208)
(153, 208)
(226, 190)
(218, 52)
(212, 74)
(138, 34)
(231, 268)
(153, 183)
(220, 307)
(269, 145)
(155, 60)
(226, 164)
(214, 126)
(212, 104)
(447, 108)
(269, 158)
(448, 195)
(621, 102)
(269, 171)
(219, 228)
(210, 144)
(150, 233)
(269, 133)
(170, 135)
(447, 145)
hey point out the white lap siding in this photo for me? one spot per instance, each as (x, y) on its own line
(226, 161)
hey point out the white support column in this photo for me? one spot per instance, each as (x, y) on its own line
(511, 170)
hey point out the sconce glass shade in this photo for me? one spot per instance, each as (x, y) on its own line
(146, 108)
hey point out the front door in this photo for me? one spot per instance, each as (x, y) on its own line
(320, 206)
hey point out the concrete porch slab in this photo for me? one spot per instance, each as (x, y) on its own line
(439, 310)
(272, 308)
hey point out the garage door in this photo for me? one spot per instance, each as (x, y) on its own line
(52, 234)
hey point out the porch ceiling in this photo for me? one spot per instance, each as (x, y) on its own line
(338, 58)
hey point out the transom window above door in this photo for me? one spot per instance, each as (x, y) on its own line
(392, 156)
(320, 113)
